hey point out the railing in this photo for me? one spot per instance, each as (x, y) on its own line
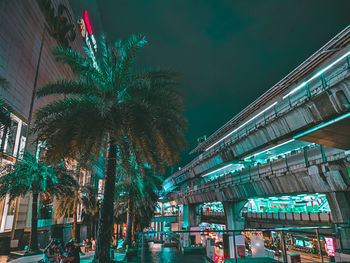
(298, 160)
(279, 244)
(309, 217)
(221, 214)
(318, 85)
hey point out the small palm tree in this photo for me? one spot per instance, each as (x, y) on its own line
(140, 193)
(29, 176)
(138, 114)
(77, 196)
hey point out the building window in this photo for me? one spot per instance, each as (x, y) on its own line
(11, 138)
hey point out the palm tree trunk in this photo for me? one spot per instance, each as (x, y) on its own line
(74, 228)
(105, 228)
(34, 227)
(129, 223)
(133, 225)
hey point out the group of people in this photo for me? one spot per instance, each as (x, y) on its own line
(89, 244)
(57, 252)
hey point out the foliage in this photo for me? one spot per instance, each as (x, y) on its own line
(77, 195)
(142, 111)
(60, 26)
(28, 176)
(143, 194)
(138, 115)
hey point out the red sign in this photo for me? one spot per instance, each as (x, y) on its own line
(87, 22)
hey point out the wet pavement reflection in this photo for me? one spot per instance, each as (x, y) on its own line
(159, 254)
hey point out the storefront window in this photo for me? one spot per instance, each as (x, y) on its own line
(11, 138)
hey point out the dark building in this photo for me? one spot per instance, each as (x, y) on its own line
(22, 35)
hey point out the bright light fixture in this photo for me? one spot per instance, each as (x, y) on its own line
(223, 138)
(322, 125)
(316, 75)
(255, 154)
(219, 169)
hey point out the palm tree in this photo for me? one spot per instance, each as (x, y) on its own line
(77, 196)
(29, 176)
(138, 114)
(59, 26)
(140, 193)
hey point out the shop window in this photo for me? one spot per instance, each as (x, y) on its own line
(11, 138)
(22, 140)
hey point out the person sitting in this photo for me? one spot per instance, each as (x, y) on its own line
(50, 252)
(93, 244)
(87, 245)
(72, 254)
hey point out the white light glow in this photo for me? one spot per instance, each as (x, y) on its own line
(255, 154)
(316, 75)
(217, 170)
(241, 125)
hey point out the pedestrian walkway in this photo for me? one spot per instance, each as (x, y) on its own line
(87, 258)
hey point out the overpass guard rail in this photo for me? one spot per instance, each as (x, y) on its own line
(299, 160)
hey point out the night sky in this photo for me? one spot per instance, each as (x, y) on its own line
(228, 52)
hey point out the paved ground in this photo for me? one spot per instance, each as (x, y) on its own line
(34, 259)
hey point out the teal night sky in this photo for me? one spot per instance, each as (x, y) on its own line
(228, 52)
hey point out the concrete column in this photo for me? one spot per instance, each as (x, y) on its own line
(234, 220)
(339, 203)
(189, 215)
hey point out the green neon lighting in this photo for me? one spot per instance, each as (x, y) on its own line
(317, 75)
(288, 94)
(271, 148)
(248, 121)
(217, 170)
(322, 125)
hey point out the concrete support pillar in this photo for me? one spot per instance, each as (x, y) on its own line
(189, 215)
(234, 221)
(339, 203)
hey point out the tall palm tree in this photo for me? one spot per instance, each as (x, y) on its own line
(29, 176)
(138, 114)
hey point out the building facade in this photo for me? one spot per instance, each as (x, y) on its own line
(25, 50)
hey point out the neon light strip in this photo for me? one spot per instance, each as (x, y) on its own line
(290, 93)
(316, 75)
(255, 154)
(242, 125)
(322, 125)
(217, 170)
(87, 22)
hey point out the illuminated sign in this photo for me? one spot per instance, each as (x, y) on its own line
(82, 28)
(330, 246)
(87, 22)
(86, 33)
